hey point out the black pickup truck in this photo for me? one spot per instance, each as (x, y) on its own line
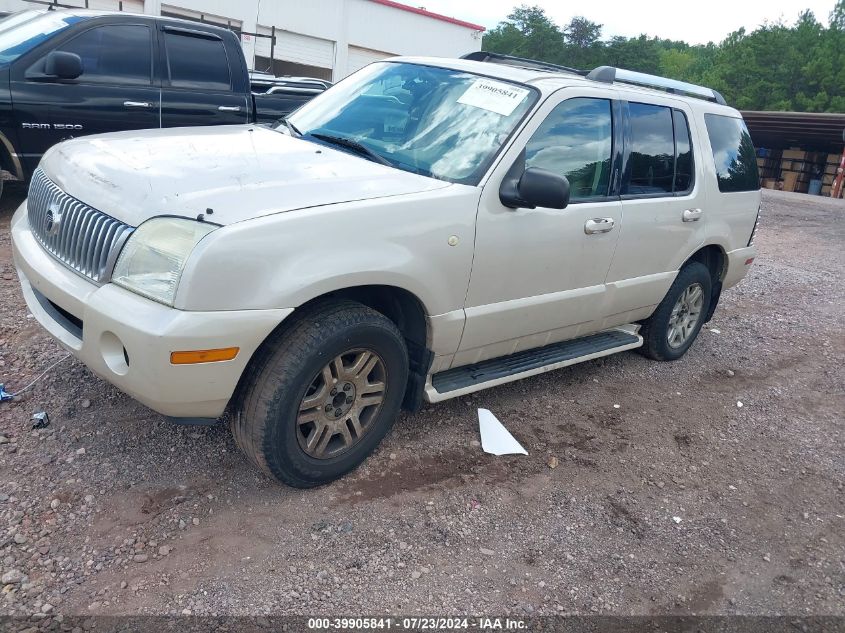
(76, 72)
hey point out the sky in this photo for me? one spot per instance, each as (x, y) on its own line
(694, 22)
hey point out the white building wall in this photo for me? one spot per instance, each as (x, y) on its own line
(379, 27)
(373, 30)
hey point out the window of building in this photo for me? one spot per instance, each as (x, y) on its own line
(576, 141)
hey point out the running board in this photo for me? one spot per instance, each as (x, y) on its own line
(498, 371)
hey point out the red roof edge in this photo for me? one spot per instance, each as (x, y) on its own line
(429, 14)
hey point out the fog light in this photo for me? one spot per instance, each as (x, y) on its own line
(203, 356)
(114, 353)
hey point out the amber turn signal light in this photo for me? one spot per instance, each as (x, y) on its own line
(203, 356)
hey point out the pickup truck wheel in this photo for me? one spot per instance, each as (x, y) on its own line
(319, 398)
(670, 331)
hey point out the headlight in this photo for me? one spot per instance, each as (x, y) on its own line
(152, 261)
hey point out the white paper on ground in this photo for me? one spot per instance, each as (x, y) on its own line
(495, 438)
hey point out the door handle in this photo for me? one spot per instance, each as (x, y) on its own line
(229, 108)
(692, 215)
(599, 225)
(137, 104)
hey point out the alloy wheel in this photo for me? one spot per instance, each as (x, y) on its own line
(685, 315)
(341, 403)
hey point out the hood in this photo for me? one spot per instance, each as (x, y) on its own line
(241, 172)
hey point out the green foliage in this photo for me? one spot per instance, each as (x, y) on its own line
(798, 67)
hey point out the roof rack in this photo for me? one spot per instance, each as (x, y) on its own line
(521, 62)
(609, 74)
(605, 74)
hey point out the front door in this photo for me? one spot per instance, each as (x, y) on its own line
(116, 90)
(198, 86)
(538, 274)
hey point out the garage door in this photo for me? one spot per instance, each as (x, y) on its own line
(359, 57)
(297, 48)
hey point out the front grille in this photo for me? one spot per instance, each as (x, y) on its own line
(84, 238)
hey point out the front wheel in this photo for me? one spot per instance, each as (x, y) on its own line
(670, 331)
(320, 397)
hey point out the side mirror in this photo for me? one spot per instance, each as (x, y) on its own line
(63, 65)
(535, 187)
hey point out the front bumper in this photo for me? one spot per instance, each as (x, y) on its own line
(103, 326)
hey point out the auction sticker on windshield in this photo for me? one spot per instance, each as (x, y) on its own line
(495, 96)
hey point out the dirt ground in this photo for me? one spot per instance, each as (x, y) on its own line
(680, 500)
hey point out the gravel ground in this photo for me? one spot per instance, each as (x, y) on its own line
(679, 500)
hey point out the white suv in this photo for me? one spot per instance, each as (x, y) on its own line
(422, 230)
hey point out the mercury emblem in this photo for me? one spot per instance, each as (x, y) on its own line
(54, 219)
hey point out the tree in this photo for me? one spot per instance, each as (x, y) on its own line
(778, 66)
(582, 33)
(837, 16)
(528, 33)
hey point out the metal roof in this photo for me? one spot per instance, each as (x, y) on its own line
(812, 131)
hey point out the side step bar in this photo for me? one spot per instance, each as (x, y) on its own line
(498, 371)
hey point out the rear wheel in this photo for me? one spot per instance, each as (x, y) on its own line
(320, 397)
(672, 329)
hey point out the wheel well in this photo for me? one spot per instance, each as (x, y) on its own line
(714, 258)
(6, 161)
(407, 313)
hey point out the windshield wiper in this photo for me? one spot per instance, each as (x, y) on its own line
(290, 126)
(354, 145)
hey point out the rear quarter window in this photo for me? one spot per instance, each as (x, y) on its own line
(733, 154)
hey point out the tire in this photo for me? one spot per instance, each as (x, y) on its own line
(283, 419)
(656, 330)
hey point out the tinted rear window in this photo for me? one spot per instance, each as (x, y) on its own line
(733, 154)
(683, 153)
(652, 161)
(197, 62)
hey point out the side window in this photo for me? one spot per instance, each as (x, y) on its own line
(114, 53)
(683, 153)
(576, 141)
(733, 154)
(652, 159)
(197, 62)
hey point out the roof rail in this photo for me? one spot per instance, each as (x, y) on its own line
(609, 74)
(522, 62)
(605, 74)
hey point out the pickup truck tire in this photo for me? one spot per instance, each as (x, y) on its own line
(672, 329)
(318, 398)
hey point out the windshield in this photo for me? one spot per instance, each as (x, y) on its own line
(21, 32)
(442, 123)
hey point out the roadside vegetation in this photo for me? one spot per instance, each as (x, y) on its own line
(779, 66)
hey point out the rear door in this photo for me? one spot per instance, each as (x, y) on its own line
(202, 79)
(115, 92)
(663, 206)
